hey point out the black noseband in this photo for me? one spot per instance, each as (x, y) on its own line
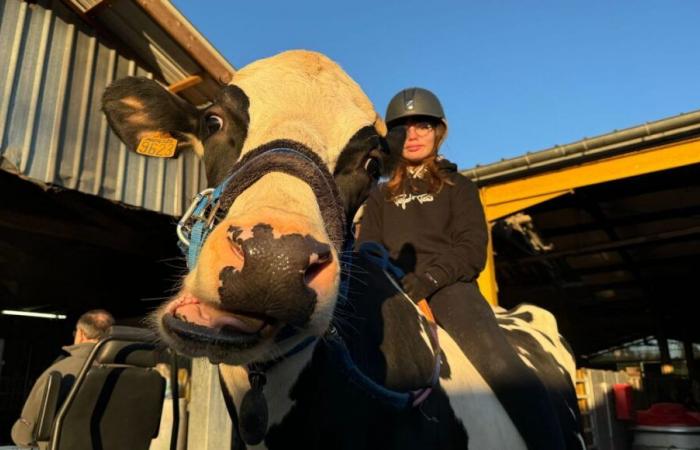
(278, 156)
(293, 159)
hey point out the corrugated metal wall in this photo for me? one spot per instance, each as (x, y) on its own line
(53, 71)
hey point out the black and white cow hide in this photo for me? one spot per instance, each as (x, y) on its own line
(268, 276)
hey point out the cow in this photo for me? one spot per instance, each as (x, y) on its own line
(317, 347)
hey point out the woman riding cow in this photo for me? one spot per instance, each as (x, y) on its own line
(316, 347)
(430, 219)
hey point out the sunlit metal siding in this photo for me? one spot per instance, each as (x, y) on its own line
(53, 71)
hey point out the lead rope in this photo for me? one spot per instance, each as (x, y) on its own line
(253, 411)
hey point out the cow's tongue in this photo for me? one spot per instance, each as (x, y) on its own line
(208, 316)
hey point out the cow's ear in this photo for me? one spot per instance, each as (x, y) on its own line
(149, 118)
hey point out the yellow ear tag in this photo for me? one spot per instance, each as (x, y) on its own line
(159, 144)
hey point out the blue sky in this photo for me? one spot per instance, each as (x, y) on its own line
(513, 75)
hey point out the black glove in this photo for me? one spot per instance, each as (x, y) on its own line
(419, 287)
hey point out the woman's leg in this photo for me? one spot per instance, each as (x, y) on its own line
(463, 312)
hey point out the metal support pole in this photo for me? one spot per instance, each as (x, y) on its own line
(690, 359)
(665, 354)
(209, 426)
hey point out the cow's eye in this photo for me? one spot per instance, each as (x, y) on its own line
(214, 123)
(373, 167)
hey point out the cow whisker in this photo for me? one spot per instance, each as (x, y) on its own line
(354, 277)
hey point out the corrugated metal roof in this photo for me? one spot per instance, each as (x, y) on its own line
(53, 71)
(163, 39)
(634, 138)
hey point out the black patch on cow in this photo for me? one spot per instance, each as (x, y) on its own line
(504, 321)
(135, 105)
(461, 310)
(233, 232)
(223, 148)
(541, 333)
(525, 315)
(353, 180)
(560, 392)
(566, 346)
(445, 371)
(271, 282)
(303, 164)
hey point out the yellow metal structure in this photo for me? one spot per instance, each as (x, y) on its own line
(503, 199)
(487, 278)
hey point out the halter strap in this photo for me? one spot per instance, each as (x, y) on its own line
(204, 212)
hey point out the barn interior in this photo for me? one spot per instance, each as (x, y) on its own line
(614, 260)
(605, 234)
(64, 252)
(84, 223)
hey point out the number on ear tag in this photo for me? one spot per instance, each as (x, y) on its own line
(159, 144)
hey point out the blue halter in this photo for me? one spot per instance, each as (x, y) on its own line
(201, 216)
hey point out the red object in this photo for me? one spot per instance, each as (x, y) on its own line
(623, 401)
(664, 414)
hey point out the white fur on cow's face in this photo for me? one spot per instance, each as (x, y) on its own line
(305, 97)
(289, 206)
(296, 96)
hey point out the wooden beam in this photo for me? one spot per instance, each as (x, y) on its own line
(187, 37)
(97, 7)
(185, 83)
(509, 197)
(641, 240)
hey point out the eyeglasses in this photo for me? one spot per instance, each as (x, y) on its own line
(421, 128)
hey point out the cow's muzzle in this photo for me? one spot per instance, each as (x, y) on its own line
(274, 280)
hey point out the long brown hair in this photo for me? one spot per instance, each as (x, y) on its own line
(436, 179)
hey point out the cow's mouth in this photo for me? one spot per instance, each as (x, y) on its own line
(206, 329)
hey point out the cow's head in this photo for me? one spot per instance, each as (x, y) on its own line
(268, 274)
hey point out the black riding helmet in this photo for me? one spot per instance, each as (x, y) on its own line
(411, 102)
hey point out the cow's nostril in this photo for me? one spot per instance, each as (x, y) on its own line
(320, 257)
(237, 250)
(316, 266)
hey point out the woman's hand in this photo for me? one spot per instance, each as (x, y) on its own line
(419, 287)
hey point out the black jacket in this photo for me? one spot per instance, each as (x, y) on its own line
(442, 234)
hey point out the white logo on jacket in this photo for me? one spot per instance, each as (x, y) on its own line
(404, 199)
